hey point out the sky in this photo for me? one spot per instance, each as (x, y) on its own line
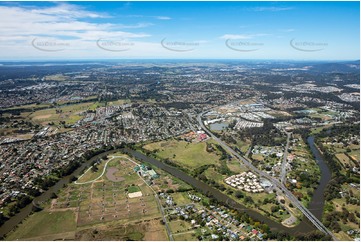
(179, 30)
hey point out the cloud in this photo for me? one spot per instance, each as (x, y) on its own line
(270, 9)
(65, 10)
(163, 17)
(287, 30)
(62, 21)
(241, 36)
(147, 16)
(135, 26)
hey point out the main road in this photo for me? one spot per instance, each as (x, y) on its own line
(318, 224)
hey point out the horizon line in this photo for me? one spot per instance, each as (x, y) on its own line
(176, 59)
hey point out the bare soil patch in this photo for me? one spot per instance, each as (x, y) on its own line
(111, 175)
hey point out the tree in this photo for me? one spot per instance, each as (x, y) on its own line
(248, 199)
(23, 201)
(239, 194)
(94, 168)
(2, 218)
(13, 209)
(274, 209)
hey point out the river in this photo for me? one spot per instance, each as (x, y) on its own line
(316, 204)
(318, 200)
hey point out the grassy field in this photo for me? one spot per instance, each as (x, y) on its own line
(343, 159)
(168, 182)
(178, 226)
(243, 145)
(56, 77)
(338, 204)
(257, 157)
(30, 106)
(342, 236)
(69, 113)
(211, 173)
(132, 189)
(90, 175)
(235, 166)
(181, 198)
(189, 236)
(355, 154)
(190, 155)
(119, 102)
(150, 230)
(318, 129)
(45, 223)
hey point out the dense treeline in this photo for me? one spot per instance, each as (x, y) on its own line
(268, 135)
(339, 131)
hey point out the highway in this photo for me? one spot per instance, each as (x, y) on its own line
(318, 224)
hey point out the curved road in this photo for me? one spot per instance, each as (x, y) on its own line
(275, 182)
(104, 169)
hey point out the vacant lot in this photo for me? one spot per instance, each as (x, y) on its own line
(191, 155)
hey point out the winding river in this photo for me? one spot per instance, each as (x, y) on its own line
(316, 204)
(318, 199)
